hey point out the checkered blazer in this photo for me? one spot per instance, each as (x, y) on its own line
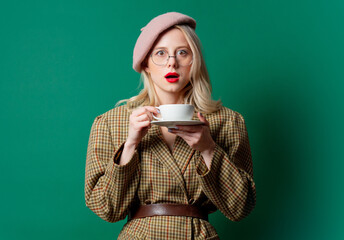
(154, 175)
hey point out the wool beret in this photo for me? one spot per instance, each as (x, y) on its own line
(151, 32)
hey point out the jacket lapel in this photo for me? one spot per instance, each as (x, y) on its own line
(182, 154)
(162, 153)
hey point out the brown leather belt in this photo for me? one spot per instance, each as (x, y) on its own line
(151, 210)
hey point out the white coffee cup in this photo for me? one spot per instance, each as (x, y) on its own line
(175, 112)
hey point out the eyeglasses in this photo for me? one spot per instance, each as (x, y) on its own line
(160, 57)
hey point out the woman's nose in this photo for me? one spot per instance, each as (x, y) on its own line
(172, 62)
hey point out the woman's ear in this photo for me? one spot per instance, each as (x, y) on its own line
(144, 64)
(146, 68)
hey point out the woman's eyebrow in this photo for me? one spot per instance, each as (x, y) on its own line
(176, 47)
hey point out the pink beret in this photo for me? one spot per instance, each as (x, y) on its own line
(151, 32)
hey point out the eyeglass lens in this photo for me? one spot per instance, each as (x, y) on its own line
(183, 57)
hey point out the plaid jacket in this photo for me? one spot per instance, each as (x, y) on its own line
(154, 175)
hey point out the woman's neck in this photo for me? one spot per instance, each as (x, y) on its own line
(171, 99)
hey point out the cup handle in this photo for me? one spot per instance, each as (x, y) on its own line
(156, 118)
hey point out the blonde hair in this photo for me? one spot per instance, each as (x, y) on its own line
(197, 92)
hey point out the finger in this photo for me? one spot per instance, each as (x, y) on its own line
(149, 110)
(143, 117)
(145, 109)
(202, 119)
(183, 135)
(142, 114)
(141, 125)
(191, 128)
(138, 111)
(149, 115)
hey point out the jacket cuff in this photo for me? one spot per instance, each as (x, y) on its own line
(114, 170)
(202, 169)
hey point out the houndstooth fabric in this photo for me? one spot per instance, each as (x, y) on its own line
(155, 175)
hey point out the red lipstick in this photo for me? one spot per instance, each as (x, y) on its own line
(172, 77)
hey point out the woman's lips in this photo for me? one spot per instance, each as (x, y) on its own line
(172, 77)
(172, 80)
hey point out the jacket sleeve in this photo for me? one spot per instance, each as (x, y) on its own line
(229, 182)
(109, 188)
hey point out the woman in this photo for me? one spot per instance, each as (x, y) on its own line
(168, 180)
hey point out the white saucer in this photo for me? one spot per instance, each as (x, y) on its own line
(172, 124)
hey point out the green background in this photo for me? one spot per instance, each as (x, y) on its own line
(279, 63)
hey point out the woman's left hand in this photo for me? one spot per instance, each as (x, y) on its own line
(197, 136)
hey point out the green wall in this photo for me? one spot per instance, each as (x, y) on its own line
(279, 63)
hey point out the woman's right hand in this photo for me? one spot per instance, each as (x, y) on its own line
(139, 124)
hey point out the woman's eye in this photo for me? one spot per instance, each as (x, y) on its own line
(182, 52)
(160, 53)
